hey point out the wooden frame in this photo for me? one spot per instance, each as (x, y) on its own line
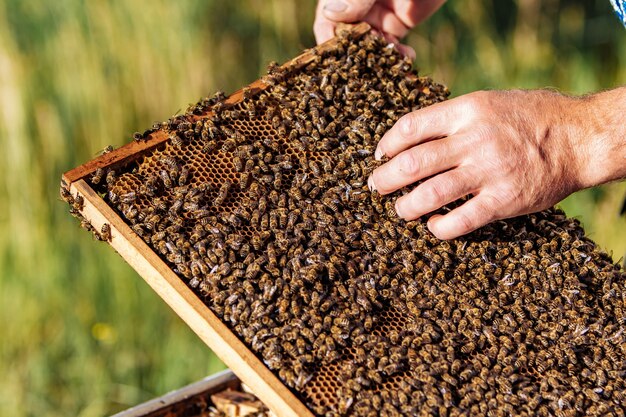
(209, 385)
(232, 351)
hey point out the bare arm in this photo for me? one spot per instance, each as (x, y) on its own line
(516, 152)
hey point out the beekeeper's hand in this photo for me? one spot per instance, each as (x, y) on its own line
(394, 18)
(513, 152)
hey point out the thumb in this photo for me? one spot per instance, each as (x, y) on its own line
(347, 10)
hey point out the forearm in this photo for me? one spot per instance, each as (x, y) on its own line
(602, 120)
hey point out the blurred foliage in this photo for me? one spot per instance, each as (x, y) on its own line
(81, 334)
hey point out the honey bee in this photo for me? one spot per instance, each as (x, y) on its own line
(184, 176)
(138, 229)
(175, 139)
(105, 232)
(128, 198)
(223, 194)
(77, 202)
(210, 146)
(130, 212)
(165, 177)
(97, 176)
(111, 178)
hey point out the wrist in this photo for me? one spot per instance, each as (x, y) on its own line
(600, 135)
(560, 136)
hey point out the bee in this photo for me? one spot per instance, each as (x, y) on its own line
(184, 176)
(244, 180)
(130, 212)
(278, 181)
(176, 140)
(138, 229)
(250, 109)
(78, 203)
(106, 150)
(328, 91)
(66, 195)
(229, 144)
(218, 96)
(128, 198)
(238, 163)
(210, 146)
(97, 176)
(111, 178)
(105, 232)
(159, 204)
(223, 194)
(151, 223)
(165, 177)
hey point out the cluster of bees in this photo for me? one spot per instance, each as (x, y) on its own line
(76, 203)
(263, 209)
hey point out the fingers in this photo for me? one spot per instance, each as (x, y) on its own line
(346, 10)
(413, 12)
(323, 28)
(386, 20)
(415, 164)
(435, 193)
(331, 12)
(475, 213)
(438, 120)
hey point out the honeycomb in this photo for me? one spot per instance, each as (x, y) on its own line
(262, 208)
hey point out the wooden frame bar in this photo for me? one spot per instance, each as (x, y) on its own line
(210, 385)
(232, 351)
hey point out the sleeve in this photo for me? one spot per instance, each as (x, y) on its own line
(620, 9)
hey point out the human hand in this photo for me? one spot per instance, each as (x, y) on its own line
(516, 152)
(393, 18)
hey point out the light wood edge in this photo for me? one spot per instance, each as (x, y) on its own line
(210, 385)
(267, 387)
(134, 150)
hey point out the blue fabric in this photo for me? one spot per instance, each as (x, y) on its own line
(620, 9)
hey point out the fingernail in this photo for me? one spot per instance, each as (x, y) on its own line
(335, 6)
(396, 209)
(370, 184)
(378, 155)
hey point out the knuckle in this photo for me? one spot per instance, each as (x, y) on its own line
(408, 163)
(508, 194)
(489, 204)
(473, 102)
(407, 126)
(434, 194)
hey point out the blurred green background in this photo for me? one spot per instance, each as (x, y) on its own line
(80, 332)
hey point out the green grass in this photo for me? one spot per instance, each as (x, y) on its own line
(81, 333)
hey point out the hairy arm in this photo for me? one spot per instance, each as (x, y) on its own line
(606, 130)
(515, 152)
